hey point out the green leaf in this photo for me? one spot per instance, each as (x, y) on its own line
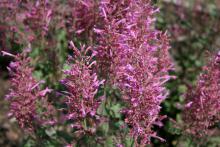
(114, 110)
(66, 67)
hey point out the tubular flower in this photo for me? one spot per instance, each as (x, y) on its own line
(24, 92)
(203, 103)
(82, 85)
(135, 56)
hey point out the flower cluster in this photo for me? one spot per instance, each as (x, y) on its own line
(7, 13)
(135, 56)
(130, 53)
(82, 85)
(29, 20)
(84, 16)
(203, 103)
(35, 20)
(24, 93)
(37, 17)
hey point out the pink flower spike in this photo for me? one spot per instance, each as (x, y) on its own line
(202, 103)
(134, 57)
(82, 85)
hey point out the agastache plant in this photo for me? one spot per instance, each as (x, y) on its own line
(82, 86)
(202, 103)
(124, 49)
(135, 56)
(24, 93)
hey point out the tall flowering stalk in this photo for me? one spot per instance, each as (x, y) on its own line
(84, 16)
(203, 103)
(82, 84)
(135, 57)
(24, 93)
(38, 16)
